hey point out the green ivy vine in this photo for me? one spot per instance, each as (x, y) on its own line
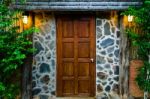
(14, 49)
(142, 41)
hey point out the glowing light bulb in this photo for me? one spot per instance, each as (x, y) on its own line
(25, 19)
(130, 18)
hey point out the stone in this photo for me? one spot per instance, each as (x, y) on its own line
(116, 60)
(52, 86)
(98, 47)
(48, 55)
(98, 81)
(117, 42)
(98, 33)
(116, 71)
(100, 68)
(48, 37)
(35, 39)
(103, 53)
(100, 60)
(111, 23)
(118, 34)
(114, 95)
(110, 72)
(110, 50)
(107, 88)
(37, 58)
(102, 97)
(107, 28)
(33, 84)
(53, 33)
(98, 22)
(98, 30)
(111, 83)
(104, 83)
(116, 78)
(33, 77)
(45, 88)
(109, 79)
(52, 44)
(112, 36)
(107, 66)
(45, 79)
(44, 97)
(38, 47)
(53, 92)
(36, 91)
(105, 97)
(115, 88)
(110, 60)
(110, 55)
(42, 58)
(53, 63)
(99, 88)
(107, 42)
(44, 68)
(37, 75)
(33, 68)
(113, 29)
(116, 53)
(40, 39)
(102, 75)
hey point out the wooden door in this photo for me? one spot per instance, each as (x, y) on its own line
(76, 56)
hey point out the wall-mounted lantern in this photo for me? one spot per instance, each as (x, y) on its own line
(130, 18)
(25, 16)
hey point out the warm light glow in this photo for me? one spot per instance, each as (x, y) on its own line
(130, 18)
(25, 19)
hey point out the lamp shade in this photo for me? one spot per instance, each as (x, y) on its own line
(25, 17)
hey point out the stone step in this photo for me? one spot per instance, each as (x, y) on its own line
(75, 98)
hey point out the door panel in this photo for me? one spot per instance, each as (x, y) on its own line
(83, 50)
(83, 30)
(68, 69)
(67, 29)
(68, 87)
(68, 49)
(83, 86)
(83, 70)
(75, 49)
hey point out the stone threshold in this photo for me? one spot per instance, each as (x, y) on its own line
(37, 97)
(75, 97)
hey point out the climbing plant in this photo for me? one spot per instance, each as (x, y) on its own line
(14, 49)
(141, 40)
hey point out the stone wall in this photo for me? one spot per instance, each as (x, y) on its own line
(107, 55)
(44, 63)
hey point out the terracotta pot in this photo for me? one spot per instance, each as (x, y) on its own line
(133, 87)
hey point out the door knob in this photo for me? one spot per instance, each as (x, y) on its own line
(92, 60)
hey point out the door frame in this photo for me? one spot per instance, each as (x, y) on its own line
(93, 85)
